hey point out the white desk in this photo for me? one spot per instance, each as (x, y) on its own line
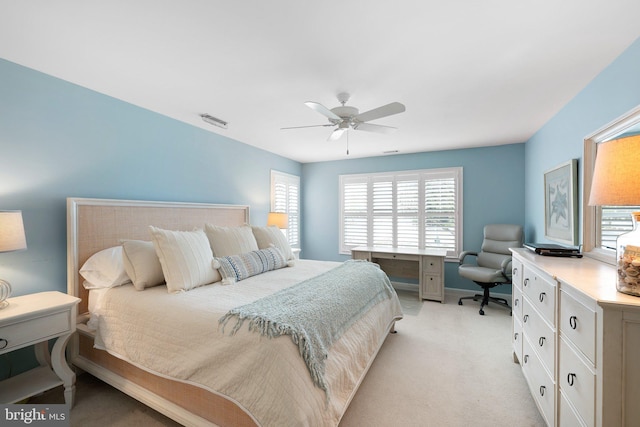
(426, 265)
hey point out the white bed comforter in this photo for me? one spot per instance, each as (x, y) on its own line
(177, 336)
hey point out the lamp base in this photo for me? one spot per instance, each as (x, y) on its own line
(5, 292)
(628, 259)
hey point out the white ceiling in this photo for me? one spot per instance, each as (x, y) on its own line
(471, 73)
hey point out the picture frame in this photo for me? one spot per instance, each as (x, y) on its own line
(561, 203)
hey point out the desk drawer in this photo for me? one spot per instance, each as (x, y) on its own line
(31, 331)
(432, 265)
(405, 257)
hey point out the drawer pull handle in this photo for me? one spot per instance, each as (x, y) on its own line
(525, 318)
(573, 322)
(3, 343)
(515, 271)
(526, 358)
(541, 341)
(571, 378)
(542, 295)
(516, 302)
(542, 388)
(515, 336)
(526, 281)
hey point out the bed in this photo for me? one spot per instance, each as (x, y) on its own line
(188, 354)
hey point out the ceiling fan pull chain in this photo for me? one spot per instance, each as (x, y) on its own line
(347, 143)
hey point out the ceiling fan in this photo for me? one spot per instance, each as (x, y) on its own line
(345, 117)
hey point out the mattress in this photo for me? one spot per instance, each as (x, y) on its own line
(177, 336)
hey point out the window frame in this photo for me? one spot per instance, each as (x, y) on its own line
(424, 174)
(591, 215)
(294, 218)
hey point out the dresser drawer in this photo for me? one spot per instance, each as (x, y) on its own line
(516, 273)
(432, 265)
(541, 335)
(516, 302)
(567, 415)
(21, 334)
(541, 385)
(541, 291)
(577, 382)
(578, 324)
(517, 338)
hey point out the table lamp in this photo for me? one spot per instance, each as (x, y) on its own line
(12, 238)
(616, 182)
(279, 219)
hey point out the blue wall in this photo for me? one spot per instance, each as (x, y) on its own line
(493, 182)
(615, 91)
(60, 140)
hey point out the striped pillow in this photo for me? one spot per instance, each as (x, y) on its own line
(234, 268)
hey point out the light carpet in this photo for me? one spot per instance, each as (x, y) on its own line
(445, 366)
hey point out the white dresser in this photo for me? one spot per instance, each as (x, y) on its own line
(577, 340)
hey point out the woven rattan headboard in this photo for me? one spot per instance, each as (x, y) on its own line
(96, 224)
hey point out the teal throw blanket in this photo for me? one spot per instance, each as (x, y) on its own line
(317, 311)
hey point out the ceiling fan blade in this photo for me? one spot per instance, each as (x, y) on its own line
(310, 126)
(323, 110)
(336, 134)
(369, 127)
(384, 111)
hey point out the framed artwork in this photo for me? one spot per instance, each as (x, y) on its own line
(560, 203)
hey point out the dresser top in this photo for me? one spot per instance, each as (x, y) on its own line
(594, 278)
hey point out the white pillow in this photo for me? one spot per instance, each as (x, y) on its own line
(272, 235)
(227, 241)
(142, 264)
(104, 269)
(185, 257)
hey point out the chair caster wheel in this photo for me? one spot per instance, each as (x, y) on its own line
(459, 302)
(481, 312)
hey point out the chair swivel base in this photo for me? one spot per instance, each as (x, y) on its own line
(485, 301)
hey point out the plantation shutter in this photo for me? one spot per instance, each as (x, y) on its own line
(416, 209)
(285, 197)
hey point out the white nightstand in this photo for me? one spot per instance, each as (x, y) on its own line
(33, 320)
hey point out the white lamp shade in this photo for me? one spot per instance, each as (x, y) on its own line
(279, 219)
(616, 176)
(12, 237)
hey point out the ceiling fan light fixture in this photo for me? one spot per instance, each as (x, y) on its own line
(214, 121)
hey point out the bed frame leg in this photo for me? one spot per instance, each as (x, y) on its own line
(392, 330)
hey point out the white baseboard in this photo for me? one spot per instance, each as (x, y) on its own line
(449, 291)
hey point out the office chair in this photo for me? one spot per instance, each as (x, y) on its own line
(493, 262)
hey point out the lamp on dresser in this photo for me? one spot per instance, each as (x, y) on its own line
(616, 182)
(12, 238)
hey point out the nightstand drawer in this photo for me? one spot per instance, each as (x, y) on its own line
(35, 330)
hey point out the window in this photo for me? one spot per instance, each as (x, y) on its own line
(410, 209)
(285, 197)
(601, 225)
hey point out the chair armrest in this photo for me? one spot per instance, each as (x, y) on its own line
(505, 266)
(464, 254)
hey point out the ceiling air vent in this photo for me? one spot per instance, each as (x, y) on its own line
(214, 121)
